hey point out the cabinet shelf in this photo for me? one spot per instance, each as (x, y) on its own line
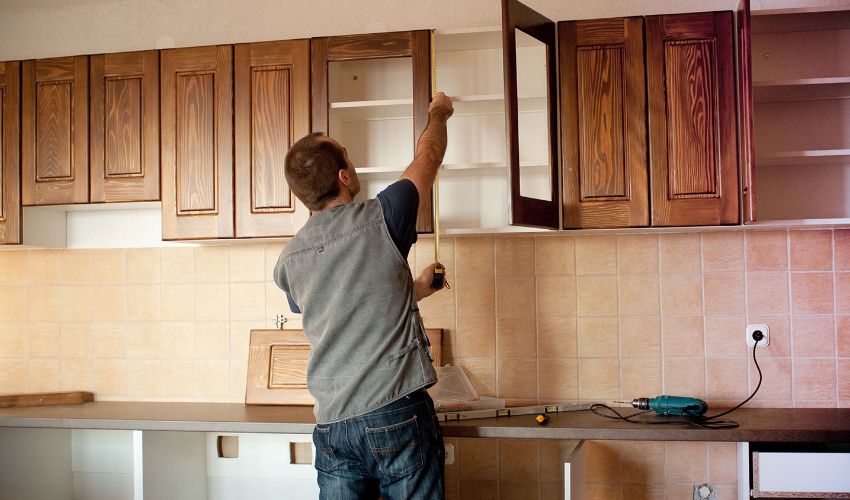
(805, 157)
(805, 89)
(495, 168)
(371, 104)
(383, 109)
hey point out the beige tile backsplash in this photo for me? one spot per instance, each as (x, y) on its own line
(531, 318)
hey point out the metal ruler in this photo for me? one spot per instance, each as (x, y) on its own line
(507, 412)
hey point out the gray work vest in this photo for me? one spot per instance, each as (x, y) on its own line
(355, 292)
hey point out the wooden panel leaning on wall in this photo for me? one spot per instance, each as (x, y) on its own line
(277, 366)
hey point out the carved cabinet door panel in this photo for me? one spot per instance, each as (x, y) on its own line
(603, 123)
(124, 128)
(272, 111)
(10, 153)
(197, 142)
(692, 119)
(54, 131)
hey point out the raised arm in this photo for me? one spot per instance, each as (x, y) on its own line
(431, 146)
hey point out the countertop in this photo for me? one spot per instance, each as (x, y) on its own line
(756, 424)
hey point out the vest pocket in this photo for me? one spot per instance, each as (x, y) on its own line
(406, 349)
(396, 447)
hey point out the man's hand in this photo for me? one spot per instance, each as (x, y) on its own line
(441, 107)
(422, 285)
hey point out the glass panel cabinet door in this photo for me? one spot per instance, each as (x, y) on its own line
(530, 97)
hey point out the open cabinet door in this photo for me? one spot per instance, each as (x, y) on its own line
(745, 104)
(530, 103)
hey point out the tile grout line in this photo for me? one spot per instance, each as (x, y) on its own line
(835, 320)
(619, 323)
(744, 240)
(704, 312)
(790, 291)
(661, 328)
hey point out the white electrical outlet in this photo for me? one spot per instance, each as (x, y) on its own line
(764, 330)
(450, 453)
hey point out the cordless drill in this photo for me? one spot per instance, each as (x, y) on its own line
(671, 405)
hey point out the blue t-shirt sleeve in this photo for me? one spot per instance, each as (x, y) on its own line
(400, 203)
(292, 305)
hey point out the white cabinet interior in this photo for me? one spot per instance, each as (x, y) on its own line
(474, 177)
(371, 115)
(65, 464)
(95, 464)
(801, 89)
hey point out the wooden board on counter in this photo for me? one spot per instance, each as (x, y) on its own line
(45, 399)
(277, 366)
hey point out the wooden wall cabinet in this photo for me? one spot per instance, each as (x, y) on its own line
(272, 111)
(54, 131)
(368, 89)
(690, 69)
(10, 153)
(197, 142)
(124, 128)
(603, 123)
(686, 126)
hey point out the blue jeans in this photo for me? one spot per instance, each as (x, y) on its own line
(395, 452)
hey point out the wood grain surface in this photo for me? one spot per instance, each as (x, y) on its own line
(272, 111)
(124, 127)
(54, 131)
(692, 119)
(525, 211)
(277, 366)
(10, 153)
(603, 123)
(45, 399)
(197, 142)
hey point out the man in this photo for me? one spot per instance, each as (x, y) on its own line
(346, 271)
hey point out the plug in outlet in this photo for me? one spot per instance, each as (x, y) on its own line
(764, 329)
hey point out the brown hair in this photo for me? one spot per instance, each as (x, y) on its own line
(311, 168)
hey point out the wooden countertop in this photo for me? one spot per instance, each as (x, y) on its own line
(756, 424)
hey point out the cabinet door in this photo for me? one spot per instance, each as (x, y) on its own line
(54, 131)
(272, 112)
(415, 45)
(197, 142)
(603, 123)
(534, 187)
(124, 129)
(745, 100)
(692, 119)
(10, 159)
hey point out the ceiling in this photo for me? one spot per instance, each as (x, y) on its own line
(47, 28)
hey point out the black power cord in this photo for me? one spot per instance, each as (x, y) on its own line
(706, 422)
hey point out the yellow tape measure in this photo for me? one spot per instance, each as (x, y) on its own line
(439, 273)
